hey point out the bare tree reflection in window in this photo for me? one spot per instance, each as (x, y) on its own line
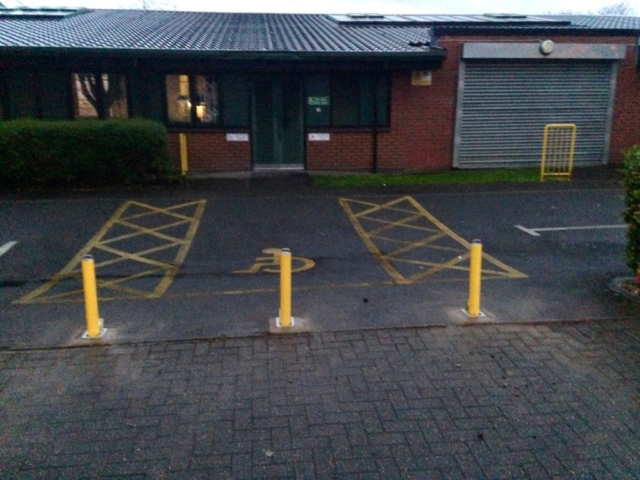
(115, 95)
(100, 96)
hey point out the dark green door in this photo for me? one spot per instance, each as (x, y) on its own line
(278, 133)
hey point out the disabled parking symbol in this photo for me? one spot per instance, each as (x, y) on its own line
(271, 263)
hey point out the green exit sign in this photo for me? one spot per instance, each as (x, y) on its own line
(318, 101)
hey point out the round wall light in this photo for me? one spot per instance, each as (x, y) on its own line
(547, 47)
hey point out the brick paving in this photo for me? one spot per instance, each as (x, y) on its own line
(489, 401)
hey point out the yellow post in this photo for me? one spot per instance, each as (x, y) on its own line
(285, 288)
(184, 157)
(475, 275)
(91, 297)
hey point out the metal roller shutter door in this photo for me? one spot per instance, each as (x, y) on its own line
(503, 108)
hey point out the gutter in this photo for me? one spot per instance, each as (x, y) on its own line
(434, 53)
(526, 30)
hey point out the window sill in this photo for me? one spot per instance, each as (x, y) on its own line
(198, 129)
(347, 129)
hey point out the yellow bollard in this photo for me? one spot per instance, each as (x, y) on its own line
(285, 288)
(184, 156)
(475, 276)
(94, 329)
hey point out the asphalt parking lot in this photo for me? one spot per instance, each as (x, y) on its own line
(191, 263)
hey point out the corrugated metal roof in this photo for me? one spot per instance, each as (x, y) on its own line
(205, 31)
(162, 31)
(600, 22)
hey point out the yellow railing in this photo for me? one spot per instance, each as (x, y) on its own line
(558, 148)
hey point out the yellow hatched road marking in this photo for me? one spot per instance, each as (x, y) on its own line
(98, 243)
(396, 231)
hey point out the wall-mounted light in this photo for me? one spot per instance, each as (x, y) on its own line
(547, 47)
(201, 111)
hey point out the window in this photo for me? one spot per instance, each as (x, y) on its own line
(99, 95)
(178, 102)
(207, 100)
(350, 100)
(193, 99)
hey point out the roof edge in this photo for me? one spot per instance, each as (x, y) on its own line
(434, 53)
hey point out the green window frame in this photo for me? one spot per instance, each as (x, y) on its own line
(347, 100)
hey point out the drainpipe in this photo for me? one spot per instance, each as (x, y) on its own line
(374, 168)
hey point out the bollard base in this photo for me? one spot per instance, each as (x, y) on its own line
(103, 331)
(466, 312)
(86, 336)
(300, 325)
(80, 338)
(279, 325)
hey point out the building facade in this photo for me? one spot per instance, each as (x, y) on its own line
(352, 93)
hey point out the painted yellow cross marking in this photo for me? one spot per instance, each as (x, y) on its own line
(271, 264)
(138, 252)
(411, 244)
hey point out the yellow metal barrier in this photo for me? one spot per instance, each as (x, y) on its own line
(94, 323)
(285, 288)
(475, 278)
(184, 156)
(558, 148)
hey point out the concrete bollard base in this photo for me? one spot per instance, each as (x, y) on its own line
(298, 325)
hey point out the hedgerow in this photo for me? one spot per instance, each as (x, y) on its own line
(631, 215)
(83, 153)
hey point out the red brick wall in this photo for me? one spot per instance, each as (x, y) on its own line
(625, 130)
(345, 151)
(422, 123)
(212, 152)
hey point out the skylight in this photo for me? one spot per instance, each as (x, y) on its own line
(506, 16)
(41, 13)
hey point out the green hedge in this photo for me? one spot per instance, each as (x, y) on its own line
(83, 153)
(632, 203)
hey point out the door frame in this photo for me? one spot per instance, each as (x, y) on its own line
(278, 121)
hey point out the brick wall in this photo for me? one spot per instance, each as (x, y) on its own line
(212, 152)
(422, 123)
(625, 129)
(344, 152)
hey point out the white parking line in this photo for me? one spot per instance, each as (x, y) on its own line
(534, 231)
(6, 247)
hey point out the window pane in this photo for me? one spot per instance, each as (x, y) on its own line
(85, 95)
(178, 103)
(54, 95)
(382, 98)
(23, 94)
(367, 99)
(345, 93)
(99, 95)
(206, 100)
(318, 100)
(236, 100)
(115, 95)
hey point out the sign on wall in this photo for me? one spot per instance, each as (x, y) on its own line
(319, 137)
(318, 101)
(421, 78)
(237, 137)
